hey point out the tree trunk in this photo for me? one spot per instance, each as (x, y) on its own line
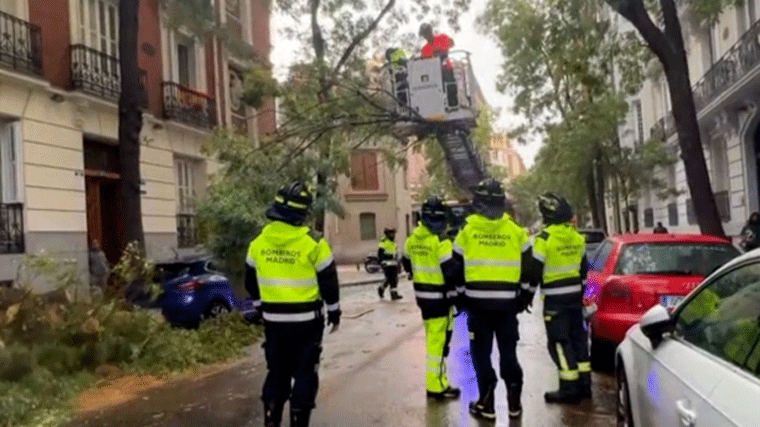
(690, 142)
(592, 199)
(668, 46)
(130, 122)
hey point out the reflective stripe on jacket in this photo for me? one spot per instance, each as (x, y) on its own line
(492, 252)
(287, 261)
(560, 250)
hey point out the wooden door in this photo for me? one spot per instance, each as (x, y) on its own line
(94, 210)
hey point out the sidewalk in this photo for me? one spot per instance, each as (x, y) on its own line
(348, 275)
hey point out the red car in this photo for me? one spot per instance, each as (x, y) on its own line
(631, 273)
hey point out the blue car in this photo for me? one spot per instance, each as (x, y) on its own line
(194, 290)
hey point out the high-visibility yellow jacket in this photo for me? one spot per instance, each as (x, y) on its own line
(494, 259)
(560, 265)
(290, 275)
(429, 259)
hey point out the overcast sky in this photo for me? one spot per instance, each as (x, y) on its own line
(485, 58)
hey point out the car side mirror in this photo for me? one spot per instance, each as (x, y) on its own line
(655, 323)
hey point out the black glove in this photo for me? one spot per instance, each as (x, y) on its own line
(253, 316)
(526, 301)
(333, 317)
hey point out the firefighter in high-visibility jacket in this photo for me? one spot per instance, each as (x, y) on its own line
(560, 267)
(427, 255)
(386, 253)
(493, 259)
(291, 277)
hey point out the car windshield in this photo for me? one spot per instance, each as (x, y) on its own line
(698, 259)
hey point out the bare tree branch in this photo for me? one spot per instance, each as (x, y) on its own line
(359, 38)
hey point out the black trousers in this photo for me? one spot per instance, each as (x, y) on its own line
(391, 277)
(483, 326)
(292, 353)
(567, 342)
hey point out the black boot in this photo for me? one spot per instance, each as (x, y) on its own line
(272, 414)
(585, 385)
(569, 392)
(449, 393)
(381, 291)
(484, 407)
(513, 400)
(300, 417)
(394, 295)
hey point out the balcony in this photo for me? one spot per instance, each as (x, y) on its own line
(11, 228)
(188, 106)
(98, 74)
(743, 56)
(186, 231)
(739, 61)
(664, 128)
(20, 45)
(95, 73)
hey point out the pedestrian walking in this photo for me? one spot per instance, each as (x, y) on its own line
(427, 256)
(291, 276)
(560, 268)
(386, 253)
(751, 233)
(493, 261)
(660, 229)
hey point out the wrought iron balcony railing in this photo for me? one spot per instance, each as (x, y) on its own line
(187, 232)
(188, 106)
(95, 72)
(743, 56)
(20, 45)
(11, 228)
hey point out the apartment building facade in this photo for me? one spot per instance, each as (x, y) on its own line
(375, 196)
(724, 64)
(59, 88)
(502, 154)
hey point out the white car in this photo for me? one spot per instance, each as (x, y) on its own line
(698, 366)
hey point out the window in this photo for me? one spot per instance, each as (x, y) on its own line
(98, 25)
(722, 318)
(364, 171)
(648, 217)
(719, 160)
(698, 259)
(185, 187)
(673, 214)
(10, 174)
(601, 255)
(367, 226)
(639, 122)
(691, 216)
(185, 66)
(186, 227)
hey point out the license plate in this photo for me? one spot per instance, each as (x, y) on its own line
(671, 301)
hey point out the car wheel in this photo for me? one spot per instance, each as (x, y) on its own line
(216, 309)
(602, 355)
(623, 403)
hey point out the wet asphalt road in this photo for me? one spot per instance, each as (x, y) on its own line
(372, 374)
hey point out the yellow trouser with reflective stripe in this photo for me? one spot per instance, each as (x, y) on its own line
(437, 334)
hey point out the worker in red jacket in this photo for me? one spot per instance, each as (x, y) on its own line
(439, 45)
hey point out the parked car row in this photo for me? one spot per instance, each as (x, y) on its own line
(678, 316)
